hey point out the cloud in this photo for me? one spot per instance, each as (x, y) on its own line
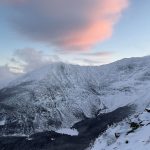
(24, 61)
(90, 61)
(5, 72)
(93, 58)
(66, 24)
(98, 54)
(6, 75)
(89, 58)
(29, 59)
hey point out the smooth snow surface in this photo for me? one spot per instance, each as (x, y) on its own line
(72, 132)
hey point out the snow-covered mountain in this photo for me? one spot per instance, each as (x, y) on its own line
(59, 95)
(130, 134)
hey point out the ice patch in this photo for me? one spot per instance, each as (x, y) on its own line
(2, 122)
(72, 132)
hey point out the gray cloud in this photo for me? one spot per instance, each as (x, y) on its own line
(29, 59)
(24, 61)
(67, 24)
(5, 72)
(98, 54)
(6, 75)
(90, 61)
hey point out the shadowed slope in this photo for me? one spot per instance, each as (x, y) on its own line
(89, 130)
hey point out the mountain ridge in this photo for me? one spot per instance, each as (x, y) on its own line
(59, 95)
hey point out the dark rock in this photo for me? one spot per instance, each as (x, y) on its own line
(131, 131)
(126, 141)
(148, 124)
(134, 125)
(117, 135)
(148, 110)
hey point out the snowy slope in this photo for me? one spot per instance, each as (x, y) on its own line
(129, 137)
(58, 95)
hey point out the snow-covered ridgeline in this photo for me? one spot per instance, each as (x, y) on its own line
(132, 133)
(59, 95)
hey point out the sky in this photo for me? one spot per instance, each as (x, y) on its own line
(36, 32)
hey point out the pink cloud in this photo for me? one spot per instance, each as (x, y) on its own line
(68, 24)
(102, 21)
